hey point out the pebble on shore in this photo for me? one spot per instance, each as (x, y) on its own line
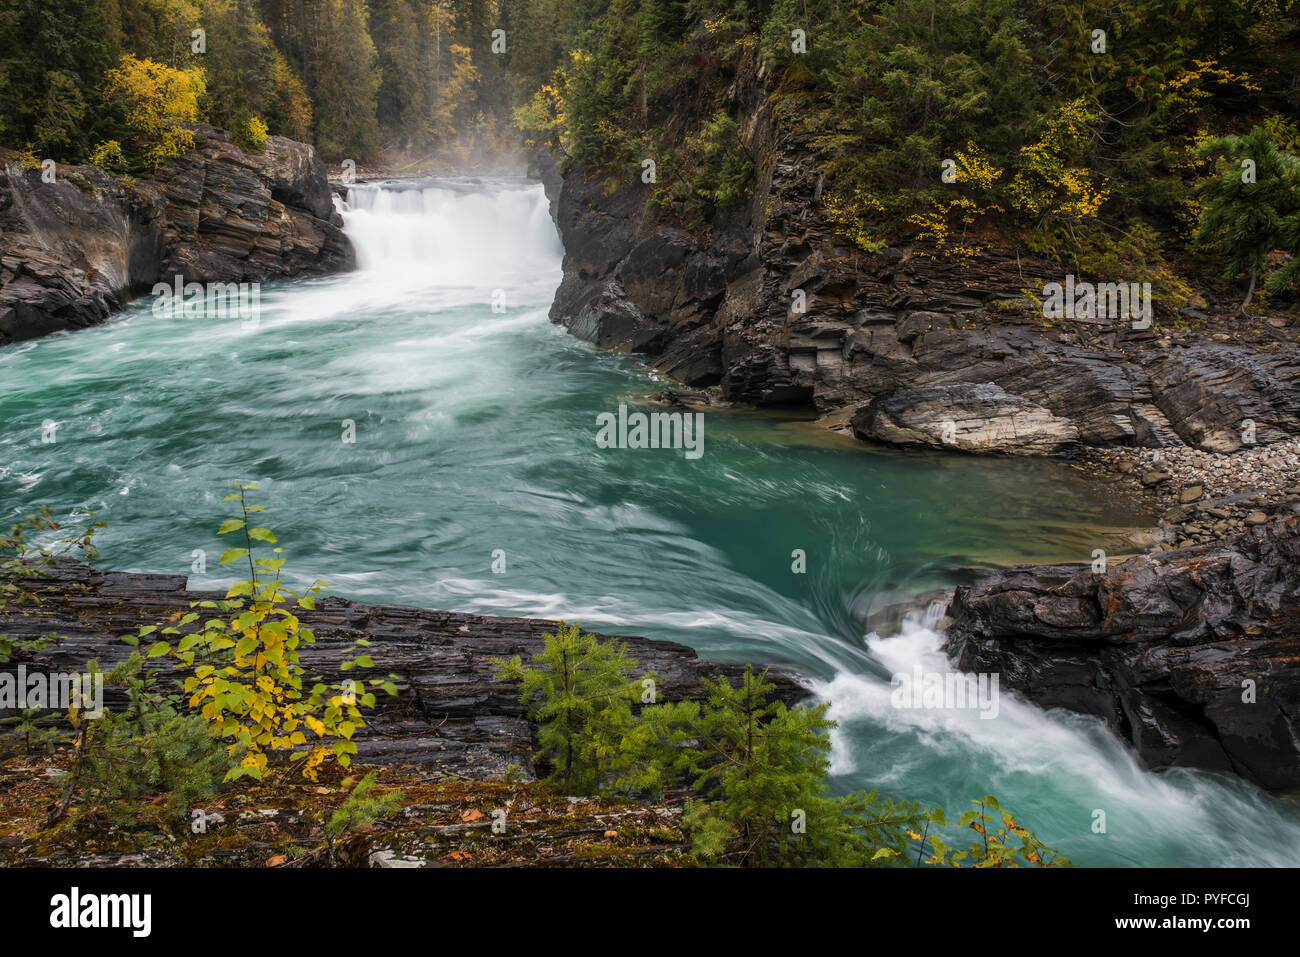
(1210, 496)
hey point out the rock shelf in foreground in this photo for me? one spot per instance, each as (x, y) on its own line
(450, 714)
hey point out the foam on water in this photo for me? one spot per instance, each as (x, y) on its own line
(1062, 766)
(475, 432)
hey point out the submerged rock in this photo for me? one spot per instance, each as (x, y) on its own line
(1192, 655)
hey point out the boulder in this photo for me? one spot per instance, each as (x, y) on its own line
(1192, 655)
(965, 417)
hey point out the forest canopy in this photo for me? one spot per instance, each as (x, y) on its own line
(1080, 127)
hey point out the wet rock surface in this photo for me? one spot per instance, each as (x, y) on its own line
(77, 250)
(1192, 655)
(450, 713)
(768, 305)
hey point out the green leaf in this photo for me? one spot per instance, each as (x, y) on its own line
(159, 649)
(230, 525)
(232, 555)
(262, 534)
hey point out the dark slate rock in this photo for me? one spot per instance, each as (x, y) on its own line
(1160, 648)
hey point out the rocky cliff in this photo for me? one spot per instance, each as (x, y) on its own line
(907, 346)
(74, 251)
(1191, 655)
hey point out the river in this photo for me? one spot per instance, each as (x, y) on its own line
(475, 483)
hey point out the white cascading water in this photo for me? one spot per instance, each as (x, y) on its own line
(475, 432)
(1146, 814)
(452, 237)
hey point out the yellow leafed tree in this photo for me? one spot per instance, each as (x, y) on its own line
(452, 94)
(158, 99)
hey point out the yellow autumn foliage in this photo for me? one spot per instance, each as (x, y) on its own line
(1048, 183)
(948, 218)
(158, 99)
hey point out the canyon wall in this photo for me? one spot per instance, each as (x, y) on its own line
(907, 346)
(77, 250)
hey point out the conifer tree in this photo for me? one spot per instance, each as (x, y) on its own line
(582, 700)
(761, 768)
(344, 98)
(1253, 208)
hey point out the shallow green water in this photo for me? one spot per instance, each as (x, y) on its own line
(475, 438)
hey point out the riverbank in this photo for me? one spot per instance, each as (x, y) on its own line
(75, 251)
(450, 714)
(453, 747)
(435, 820)
(1201, 496)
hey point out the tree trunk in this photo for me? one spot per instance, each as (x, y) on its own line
(1249, 292)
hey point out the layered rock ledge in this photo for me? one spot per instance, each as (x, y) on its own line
(77, 250)
(450, 714)
(1191, 655)
(768, 305)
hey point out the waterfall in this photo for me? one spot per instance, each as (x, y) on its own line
(495, 235)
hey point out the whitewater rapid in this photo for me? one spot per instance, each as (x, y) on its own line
(475, 422)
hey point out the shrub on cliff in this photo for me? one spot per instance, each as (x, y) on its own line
(250, 134)
(157, 99)
(108, 156)
(726, 172)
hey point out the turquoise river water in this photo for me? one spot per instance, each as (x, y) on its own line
(475, 439)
